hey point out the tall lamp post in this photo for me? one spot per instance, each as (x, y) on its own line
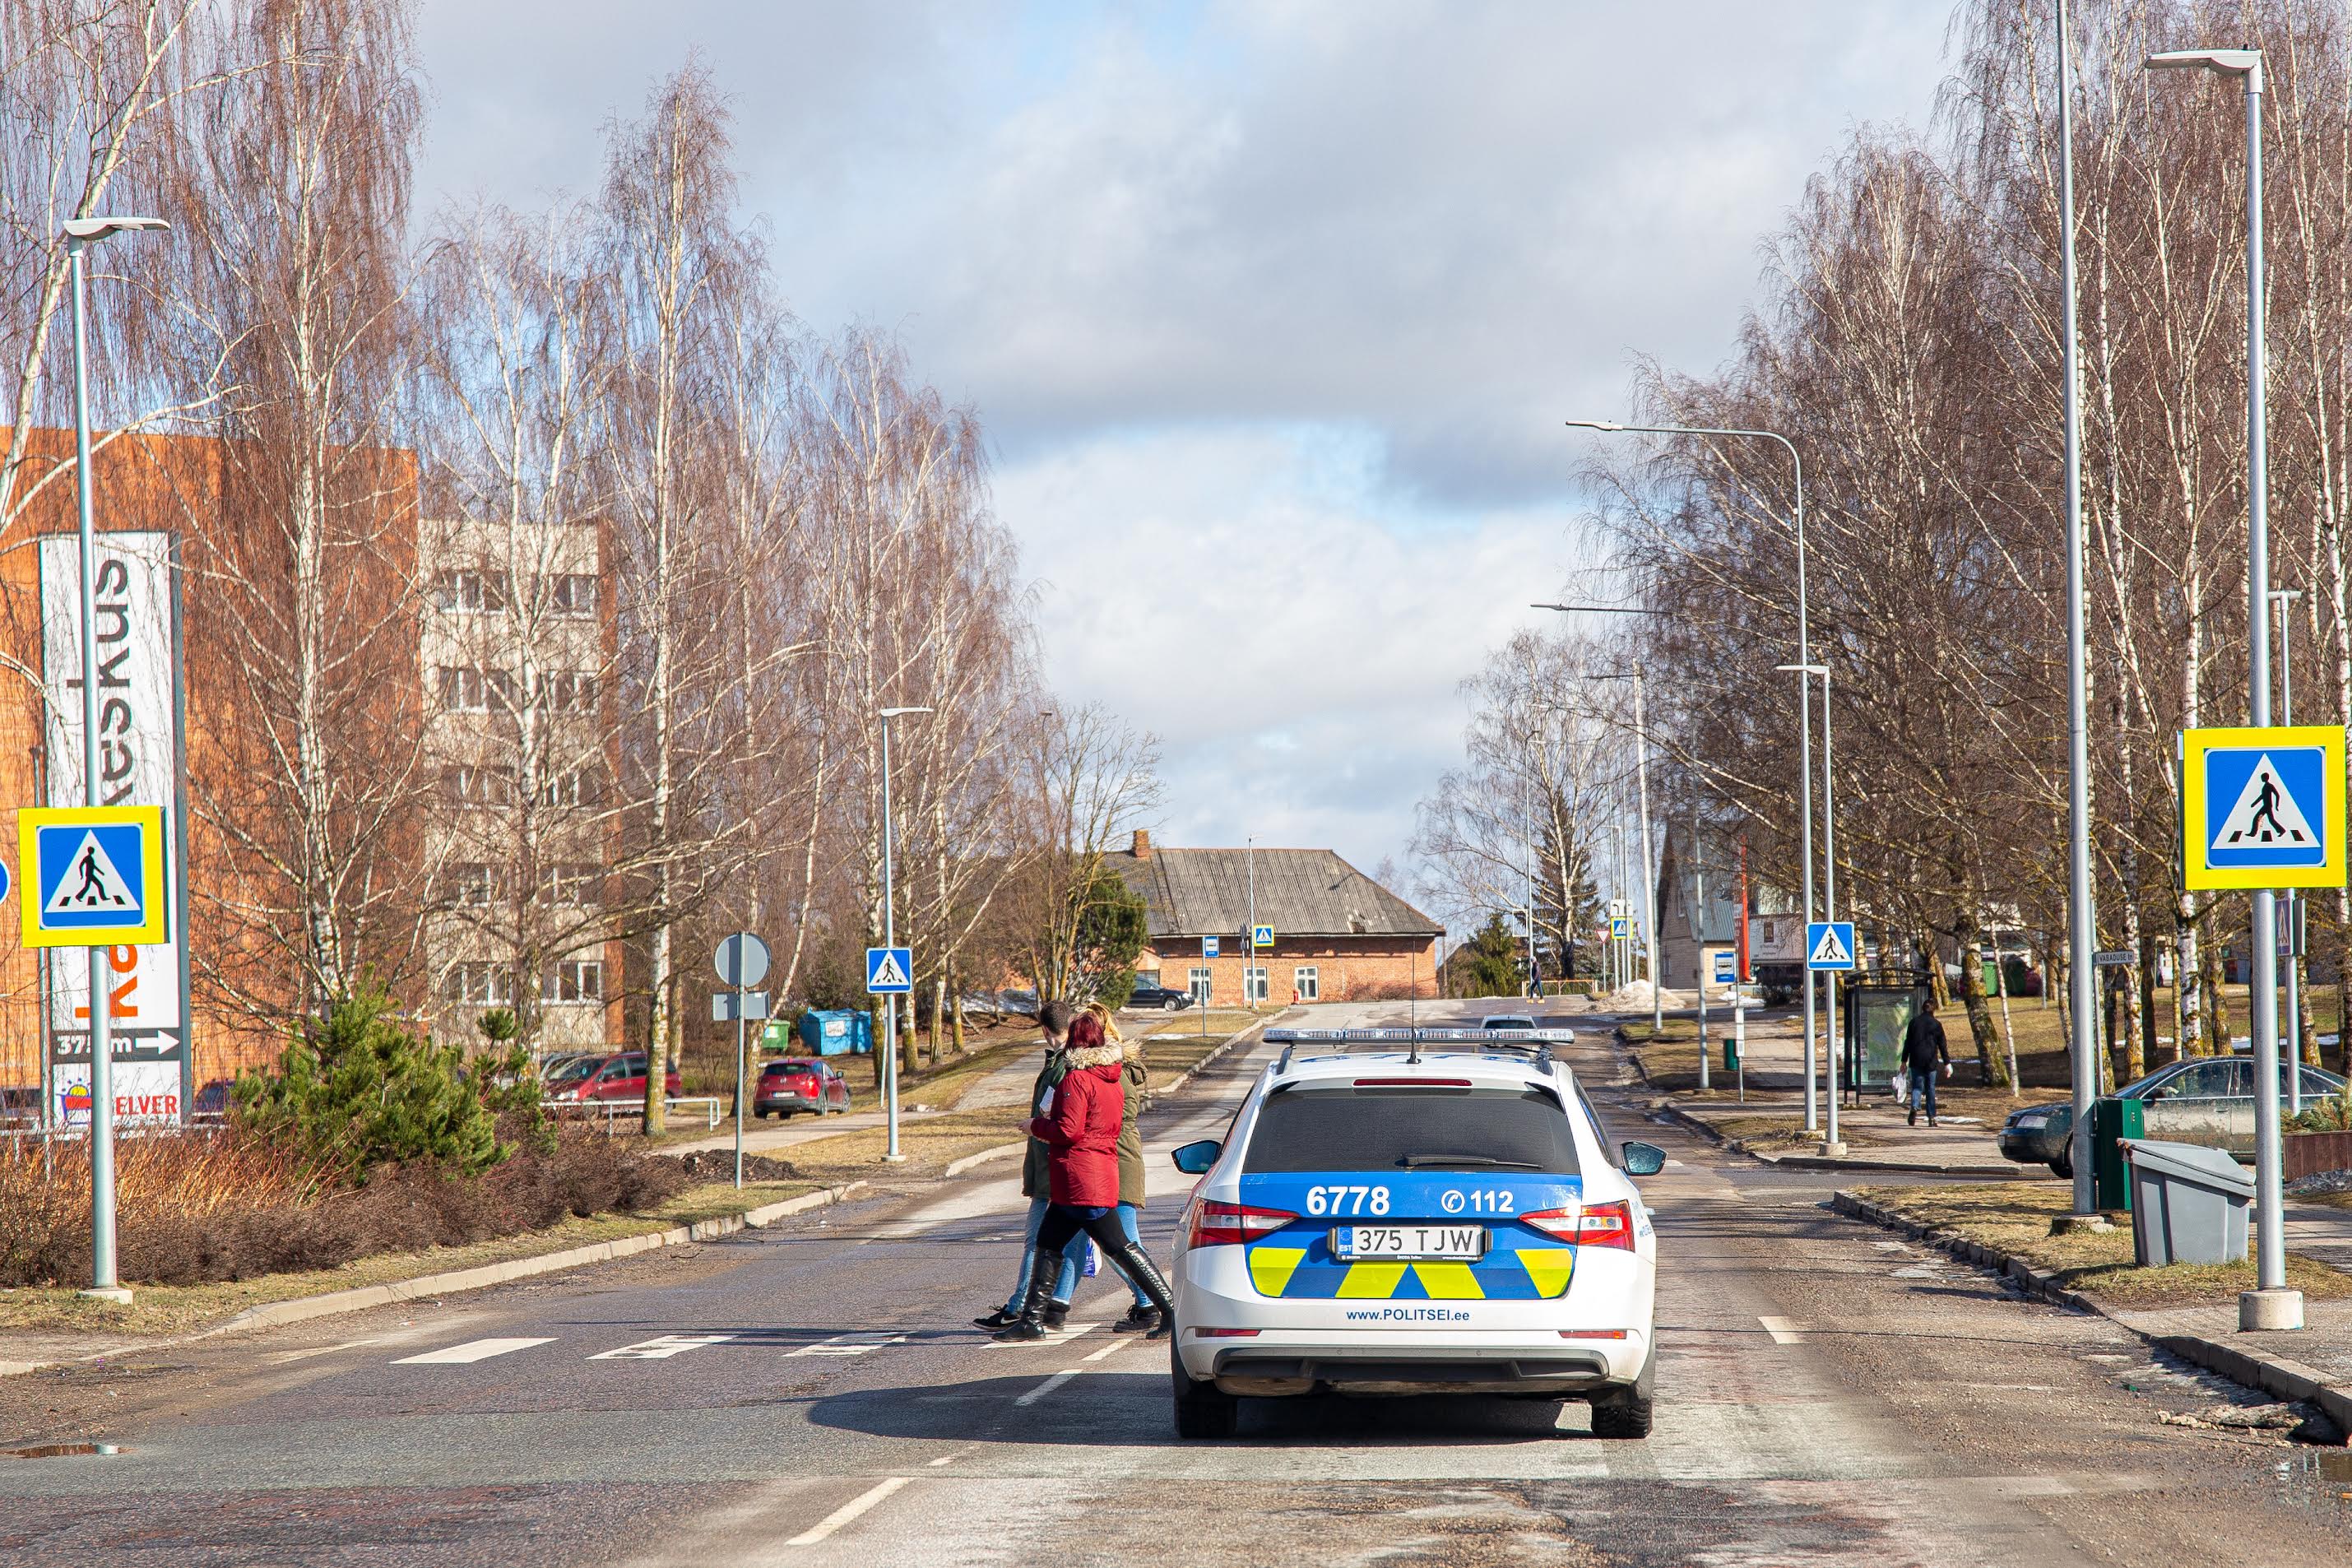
(1830, 1145)
(80, 233)
(2271, 1304)
(1649, 881)
(1804, 656)
(890, 936)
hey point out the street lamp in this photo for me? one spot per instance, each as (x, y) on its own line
(2292, 1054)
(2271, 1304)
(1831, 1146)
(1804, 656)
(1649, 884)
(79, 234)
(890, 938)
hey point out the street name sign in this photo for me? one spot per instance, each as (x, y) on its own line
(891, 971)
(2112, 958)
(96, 876)
(2262, 807)
(1829, 944)
(1260, 936)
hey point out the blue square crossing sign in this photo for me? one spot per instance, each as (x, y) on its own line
(889, 970)
(94, 876)
(1829, 944)
(2262, 807)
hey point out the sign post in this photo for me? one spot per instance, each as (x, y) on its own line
(1208, 979)
(890, 972)
(742, 962)
(1261, 940)
(2263, 809)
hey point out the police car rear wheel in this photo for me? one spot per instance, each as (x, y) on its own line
(1202, 1409)
(1626, 1415)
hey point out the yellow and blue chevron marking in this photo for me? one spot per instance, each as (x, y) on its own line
(1510, 1273)
(1522, 1263)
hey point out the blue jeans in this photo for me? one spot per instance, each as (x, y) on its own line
(1073, 1259)
(1925, 1083)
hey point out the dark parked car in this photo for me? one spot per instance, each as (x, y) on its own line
(2204, 1100)
(213, 1099)
(1159, 996)
(612, 1078)
(800, 1083)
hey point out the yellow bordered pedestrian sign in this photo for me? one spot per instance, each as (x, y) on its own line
(94, 876)
(2262, 807)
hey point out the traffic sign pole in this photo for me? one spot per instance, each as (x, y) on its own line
(104, 1280)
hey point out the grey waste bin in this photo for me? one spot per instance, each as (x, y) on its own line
(2188, 1203)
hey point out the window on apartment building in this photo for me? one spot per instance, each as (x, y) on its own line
(574, 882)
(469, 592)
(468, 689)
(1307, 979)
(1256, 983)
(465, 783)
(485, 985)
(567, 691)
(571, 595)
(576, 980)
(1200, 987)
(472, 883)
(575, 787)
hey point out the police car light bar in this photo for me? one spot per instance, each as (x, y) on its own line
(1507, 1039)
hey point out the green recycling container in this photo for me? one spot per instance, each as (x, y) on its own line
(2111, 1119)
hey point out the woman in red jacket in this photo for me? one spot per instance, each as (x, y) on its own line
(1080, 1129)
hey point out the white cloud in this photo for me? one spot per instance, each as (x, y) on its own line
(1273, 306)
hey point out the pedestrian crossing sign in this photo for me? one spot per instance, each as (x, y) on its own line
(1829, 944)
(94, 876)
(889, 970)
(1260, 936)
(1621, 927)
(2264, 807)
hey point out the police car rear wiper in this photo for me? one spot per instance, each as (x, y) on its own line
(1411, 1161)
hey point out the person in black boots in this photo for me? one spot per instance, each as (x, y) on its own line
(1923, 1057)
(1080, 1127)
(1053, 1022)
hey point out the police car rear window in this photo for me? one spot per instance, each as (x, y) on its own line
(1506, 1130)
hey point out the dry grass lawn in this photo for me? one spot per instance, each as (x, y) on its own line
(2014, 1216)
(160, 1309)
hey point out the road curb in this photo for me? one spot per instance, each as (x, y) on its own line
(958, 1167)
(2273, 1374)
(303, 1308)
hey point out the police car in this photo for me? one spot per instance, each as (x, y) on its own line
(1430, 1211)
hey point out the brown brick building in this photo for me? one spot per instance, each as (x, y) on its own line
(1339, 935)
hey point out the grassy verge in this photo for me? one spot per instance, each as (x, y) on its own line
(1769, 1135)
(163, 1309)
(2015, 1217)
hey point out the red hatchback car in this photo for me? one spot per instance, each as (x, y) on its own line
(616, 1077)
(799, 1083)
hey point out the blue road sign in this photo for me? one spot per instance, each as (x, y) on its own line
(1260, 936)
(1829, 944)
(891, 971)
(1209, 947)
(1726, 966)
(1621, 927)
(97, 875)
(2263, 806)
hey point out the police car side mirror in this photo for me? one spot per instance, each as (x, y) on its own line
(1645, 1159)
(1196, 1159)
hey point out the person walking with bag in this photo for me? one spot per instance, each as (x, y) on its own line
(1135, 1079)
(1054, 1020)
(1080, 1129)
(1924, 1060)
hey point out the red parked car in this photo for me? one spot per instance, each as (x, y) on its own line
(800, 1083)
(616, 1077)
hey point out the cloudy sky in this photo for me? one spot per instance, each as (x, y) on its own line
(1273, 309)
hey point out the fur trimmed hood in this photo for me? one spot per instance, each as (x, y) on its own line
(1105, 1055)
(1134, 1052)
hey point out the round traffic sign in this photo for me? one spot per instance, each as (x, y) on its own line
(742, 961)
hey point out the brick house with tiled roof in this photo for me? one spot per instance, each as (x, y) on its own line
(1339, 935)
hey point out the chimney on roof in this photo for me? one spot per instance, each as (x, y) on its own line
(1142, 847)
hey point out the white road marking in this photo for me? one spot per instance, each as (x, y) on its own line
(1783, 1331)
(847, 1511)
(472, 1351)
(1110, 1350)
(1047, 1387)
(1052, 1337)
(848, 1344)
(660, 1349)
(944, 1459)
(284, 1357)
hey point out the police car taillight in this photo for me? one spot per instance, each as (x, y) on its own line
(1224, 1224)
(1600, 1224)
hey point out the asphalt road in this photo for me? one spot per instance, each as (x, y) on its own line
(813, 1396)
